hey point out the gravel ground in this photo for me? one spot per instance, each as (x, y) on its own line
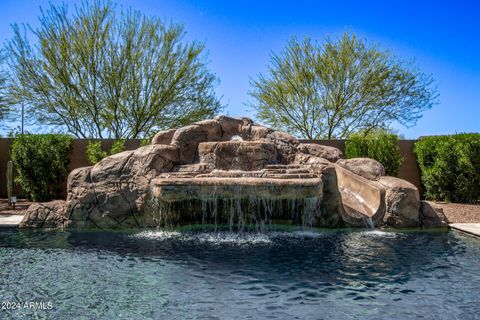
(461, 213)
(455, 212)
(20, 207)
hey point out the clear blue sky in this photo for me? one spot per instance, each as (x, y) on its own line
(443, 36)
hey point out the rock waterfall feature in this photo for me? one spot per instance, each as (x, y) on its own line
(232, 172)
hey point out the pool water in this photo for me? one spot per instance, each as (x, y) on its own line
(313, 274)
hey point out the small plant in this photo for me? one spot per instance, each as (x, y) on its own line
(9, 181)
(95, 153)
(380, 145)
(117, 146)
(41, 162)
(145, 141)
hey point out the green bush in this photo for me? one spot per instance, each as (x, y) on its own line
(42, 164)
(145, 141)
(95, 153)
(379, 145)
(450, 167)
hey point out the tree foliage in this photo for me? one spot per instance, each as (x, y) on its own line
(5, 106)
(342, 86)
(100, 72)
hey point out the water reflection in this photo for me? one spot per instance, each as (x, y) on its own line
(337, 274)
(326, 256)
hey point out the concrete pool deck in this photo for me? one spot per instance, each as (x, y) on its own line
(470, 228)
(10, 221)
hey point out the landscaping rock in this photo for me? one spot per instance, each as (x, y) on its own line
(432, 216)
(164, 137)
(111, 193)
(186, 139)
(402, 201)
(237, 155)
(330, 153)
(45, 215)
(368, 168)
(285, 143)
(229, 127)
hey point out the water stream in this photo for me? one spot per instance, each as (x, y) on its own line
(368, 223)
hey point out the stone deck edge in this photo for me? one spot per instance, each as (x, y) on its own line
(10, 221)
(470, 228)
(243, 181)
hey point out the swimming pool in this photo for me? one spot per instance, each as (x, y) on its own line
(316, 274)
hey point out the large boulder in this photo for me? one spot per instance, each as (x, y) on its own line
(186, 139)
(402, 201)
(164, 137)
(326, 152)
(432, 215)
(368, 168)
(112, 193)
(45, 215)
(238, 155)
(285, 143)
(231, 127)
(308, 159)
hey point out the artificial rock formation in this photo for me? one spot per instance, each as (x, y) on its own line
(230, 171)
(432, 216)
(402, 201)
(368, 168)
(325, 152)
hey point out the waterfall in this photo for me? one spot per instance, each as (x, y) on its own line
(368, 223)
(236, 138)
(246, 210)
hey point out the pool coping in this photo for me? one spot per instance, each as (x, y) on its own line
(10, 221)
(470, 228)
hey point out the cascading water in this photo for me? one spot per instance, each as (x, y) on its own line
(238, 204)
(369, 223)
(245, 187)
(240, 213)
(236, 138)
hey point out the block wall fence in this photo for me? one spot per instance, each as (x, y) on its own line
(409, 170)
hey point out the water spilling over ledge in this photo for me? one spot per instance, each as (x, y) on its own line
(235, 172)
(238, 201)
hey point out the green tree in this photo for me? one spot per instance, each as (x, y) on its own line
(5, 105)
(342, 86)
(100, 72)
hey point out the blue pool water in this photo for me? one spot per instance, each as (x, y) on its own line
(219, 275)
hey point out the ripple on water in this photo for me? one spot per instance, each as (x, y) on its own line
(303, 274)
(228, 238)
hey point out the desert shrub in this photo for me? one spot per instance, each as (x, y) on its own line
(380, 145)
(42, 164)
(117, 146)
(450, 167)
(145, 141)
(95, 153)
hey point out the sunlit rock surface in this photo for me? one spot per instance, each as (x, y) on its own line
(233, 172)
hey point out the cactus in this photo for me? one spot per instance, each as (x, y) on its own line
(9, 181)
